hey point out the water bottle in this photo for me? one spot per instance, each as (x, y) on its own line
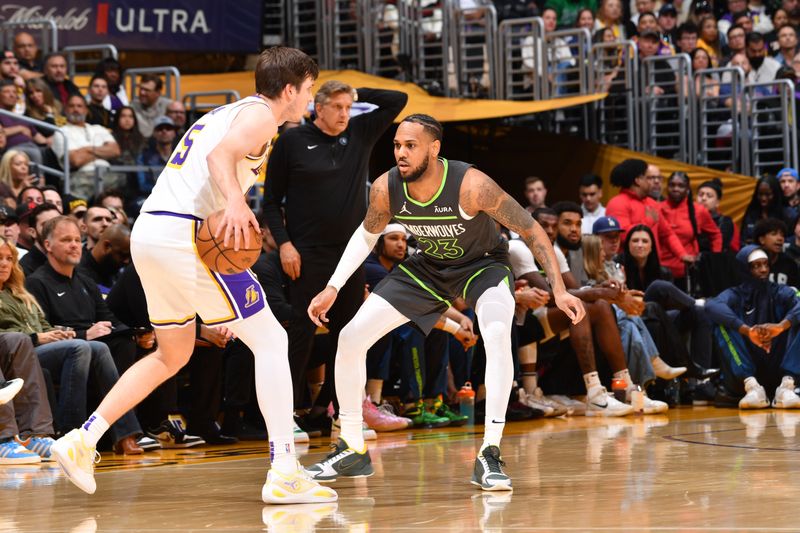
(619, 388)
(466, 402)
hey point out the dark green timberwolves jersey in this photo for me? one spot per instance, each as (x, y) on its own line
(445, 235)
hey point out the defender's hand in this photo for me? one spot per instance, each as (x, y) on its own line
(321, 304)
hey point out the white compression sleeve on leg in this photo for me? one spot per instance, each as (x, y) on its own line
(358, 248)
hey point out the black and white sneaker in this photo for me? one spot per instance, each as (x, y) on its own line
(488, 472)
(9, 389)
(342, 461)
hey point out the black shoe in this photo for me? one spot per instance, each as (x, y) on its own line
(488, 470)
(724, 398)
(701, 373)
(215, 436)
(704, 393)
(316, 425)
(342, 461)
(516, 411)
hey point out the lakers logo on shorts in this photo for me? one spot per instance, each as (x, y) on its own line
(252, 296)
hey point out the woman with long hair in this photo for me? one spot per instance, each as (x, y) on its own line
(609, 15)
(708, 39)
(73, 363)
(42, 105)
(126, 133)
(641, 352)
(691, 222)
(15, 176)
(701, 60)
(766, 202)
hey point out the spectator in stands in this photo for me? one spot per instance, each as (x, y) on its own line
(687, 38)
(792, 8)
(9, 221)
(757, 335)
(653, 176)
(106, 259)
(569, 11)
(734, 7)
(52, 196)
(15, 175)
(55, 74)
(26, 423)
(117, 98)
(23, 211)
(779, 19)
(112, 199)
(30, 194)
(701, 61)
(793, 250)
(19, 134)
(668, 24)
(770, 235)
(157, 154)
(585, 19)
(90, 146)
(633, 206)
(36, 219)
(97, 113)
(737, 39)
(692, 224)
(709, 194)
(129, 138)
(641, 7)
(744, 20)
(69, 298)
(94, 223)
(74, 363)
(590, 191)
(31, 66)
(559, 56)
(41, 105)
(177, 112)
(766, 202)
(9, 72)
(790, 186)
(648, 24)
(764, 67)
(787, 42)
(535, 193)
(701, 9)
(610, 16)
(709, 39)
(150, 104)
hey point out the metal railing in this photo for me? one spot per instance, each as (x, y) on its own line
(62, 173)
(306, 30)
(96, 53)
(772, 126)
(48, 31)
(567, 54)
(474, 40)
(199, 102)
(666, 101)
(615, 71)
(425, 38)
(171, 76)
(720, 126)
(274, 29)
(344, 38)
(382, 49)
(520, 47)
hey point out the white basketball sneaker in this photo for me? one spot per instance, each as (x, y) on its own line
(297, 487)
(785, 396)
(76, 459)
(600, 403)
(755, 397)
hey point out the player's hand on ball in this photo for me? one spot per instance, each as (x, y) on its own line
(571, 306)
(321, 304)
(233, 226)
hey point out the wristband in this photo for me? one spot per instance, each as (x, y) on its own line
(451, 326)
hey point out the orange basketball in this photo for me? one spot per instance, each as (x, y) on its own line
(220, 258)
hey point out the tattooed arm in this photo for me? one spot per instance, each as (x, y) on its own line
(358, 248)
(480, 193)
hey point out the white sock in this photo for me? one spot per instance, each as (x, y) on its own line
(624, 374)
(282, 455)
(495, 310)
(93, 429)
(592, 381)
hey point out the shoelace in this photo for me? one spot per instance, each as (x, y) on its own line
(494, 463)
(335, 452)
(387, 409)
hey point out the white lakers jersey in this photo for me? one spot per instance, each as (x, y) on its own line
(185, 185)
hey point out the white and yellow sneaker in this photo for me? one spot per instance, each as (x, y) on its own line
(294, 518)
(77, 460)
(296, 487)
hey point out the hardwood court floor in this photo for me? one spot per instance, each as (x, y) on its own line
(700, 469)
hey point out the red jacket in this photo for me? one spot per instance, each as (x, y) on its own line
(630, 210)
(677, 216)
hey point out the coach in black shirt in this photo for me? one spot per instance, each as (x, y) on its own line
(321, 170)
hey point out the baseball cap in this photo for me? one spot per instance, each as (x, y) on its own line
(163, 121)
(788, 170)
(71, 203)
(7, 54)
(668, 10)
(605, 225)
(8, 215)
(24, 211)
(757, 254)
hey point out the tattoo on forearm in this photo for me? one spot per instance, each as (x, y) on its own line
(378, 214)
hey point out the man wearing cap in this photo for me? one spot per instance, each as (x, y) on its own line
(90, 146)
(633, 206)
(157, 153)
(9, 71)
(10, 223)
(667, 23)
(609, 231)
(756, 330)
(787, 177)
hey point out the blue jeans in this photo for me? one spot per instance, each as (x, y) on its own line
(638, 346)
(73, 364)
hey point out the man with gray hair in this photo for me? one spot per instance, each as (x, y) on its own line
(321, 169)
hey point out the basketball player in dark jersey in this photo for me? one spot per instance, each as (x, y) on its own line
(451, 208)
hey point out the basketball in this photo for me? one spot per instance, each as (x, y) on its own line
(220, 258)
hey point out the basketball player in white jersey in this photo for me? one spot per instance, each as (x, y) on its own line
(217, 161)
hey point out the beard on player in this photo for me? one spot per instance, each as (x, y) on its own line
(412, 174)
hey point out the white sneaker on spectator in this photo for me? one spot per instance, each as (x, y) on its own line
(651, 407)
(664, 371)
(600, 403)
(574, 407)
(558, 409)
(529, 401)
(755, 397)
(146, 443)
(785, 397)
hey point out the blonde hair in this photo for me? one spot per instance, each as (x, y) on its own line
(331, 88)
(5, 166)
(16, 281)
(592, 258)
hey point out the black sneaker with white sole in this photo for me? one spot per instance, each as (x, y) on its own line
(488, 472)
(342, 461)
